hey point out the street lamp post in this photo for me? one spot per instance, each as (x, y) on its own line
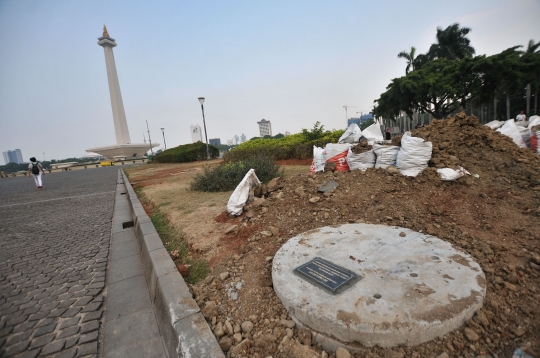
(149, 139)
(163, 131)
(201, 99)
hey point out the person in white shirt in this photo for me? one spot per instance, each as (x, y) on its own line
(521, 116)
(36, 170)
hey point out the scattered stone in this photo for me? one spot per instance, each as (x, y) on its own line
(402, 234)
(304, 335)
(292, 348)
(273, 230)
(327, 186)
(210, 310)
(342, 353)
(223, 276)
(231, 229)
(237, 328)
(183, 269)
(299, 191)
(471, 335)
(218, 331)
(392, 170)
(519, 331)
(266, 233)
(287, 323)
(377, 295)
(241, 347)
(237, 337)
(534, 266)
(443, 355)
(314, 199)
(509, 286)
(289, 332)
(229, 328)
(268, 258)
(247, 326)
(225, 343)
(264, 210)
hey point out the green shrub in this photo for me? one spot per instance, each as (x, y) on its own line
(296, 146)
(186, 153)
(225, 177)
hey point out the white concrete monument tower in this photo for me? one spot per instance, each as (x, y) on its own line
(119, 115)
(123, 146)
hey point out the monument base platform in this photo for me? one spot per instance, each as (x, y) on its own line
(412, 288)
(127, 150)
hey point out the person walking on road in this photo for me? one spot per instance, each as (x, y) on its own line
(36, 169)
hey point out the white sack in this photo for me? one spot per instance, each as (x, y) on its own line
(240, 195)
(449, 174)
(526, 135)
(338, 153)
(494, 124)
(534, 121)
(386, 155)
(509, 129)
(319, 159)
(362, 161)
(351, 135)
(414, 155)
(373, 133)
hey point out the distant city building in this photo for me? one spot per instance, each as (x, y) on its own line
(287, 133)
(265, 128)
(230, 141)
(13, 156)
(236, 139)
(242, 138)
(196, 135)
(366, 117)
(215, 141)
(350, 121)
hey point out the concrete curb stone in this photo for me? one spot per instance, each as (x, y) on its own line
(184, 329)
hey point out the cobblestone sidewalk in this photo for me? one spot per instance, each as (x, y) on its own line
(54, 245)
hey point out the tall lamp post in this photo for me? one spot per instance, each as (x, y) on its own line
(201, 99)
(149, 140)
(163, 131)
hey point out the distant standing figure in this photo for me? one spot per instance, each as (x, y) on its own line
(37, 170)
(388, 133)
(521, 116)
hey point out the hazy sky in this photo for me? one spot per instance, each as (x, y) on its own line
(290, 62)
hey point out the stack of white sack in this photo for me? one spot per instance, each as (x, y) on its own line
(386, 155)
(351, 135)
(414, 155)
(510, 129)
(337, 153)
(319, 159)
(361, 161)
(494, 124)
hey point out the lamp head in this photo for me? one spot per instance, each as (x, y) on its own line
(162, 129)
(201, 99)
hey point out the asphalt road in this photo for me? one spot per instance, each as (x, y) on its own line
(54, 245)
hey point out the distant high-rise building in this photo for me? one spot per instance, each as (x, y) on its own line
(13, 156)
(215, 141)
(236, 139)
(196, 134)
(230, 141)
(242, 138)
(265, 127)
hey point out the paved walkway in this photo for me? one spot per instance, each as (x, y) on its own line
(54, 245)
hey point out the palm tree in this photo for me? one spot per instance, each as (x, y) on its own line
(452, 43)
(532, 48)
(410, 57)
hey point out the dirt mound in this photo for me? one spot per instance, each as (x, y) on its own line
(361, 147)
(494, 218)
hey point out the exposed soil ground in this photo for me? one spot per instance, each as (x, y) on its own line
(495, 218)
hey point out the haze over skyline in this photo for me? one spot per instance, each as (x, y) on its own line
(292, 63)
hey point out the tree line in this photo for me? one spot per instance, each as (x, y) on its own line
(449, 78)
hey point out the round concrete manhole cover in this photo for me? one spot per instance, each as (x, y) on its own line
(413, 287)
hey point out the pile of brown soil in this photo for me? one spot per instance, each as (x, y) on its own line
(361, 147)
(494, 218)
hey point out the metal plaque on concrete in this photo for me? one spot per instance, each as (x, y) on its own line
(327, 275)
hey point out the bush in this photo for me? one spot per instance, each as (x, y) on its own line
(186, 153)
(296, 146)
(225, 177)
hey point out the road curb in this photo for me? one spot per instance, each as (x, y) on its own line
(183, 327)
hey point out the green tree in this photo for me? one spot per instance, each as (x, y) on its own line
(410, 57)
(530, 55)
(315, 133)
(452, 43)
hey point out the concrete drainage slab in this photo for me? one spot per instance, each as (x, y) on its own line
(414, 287)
